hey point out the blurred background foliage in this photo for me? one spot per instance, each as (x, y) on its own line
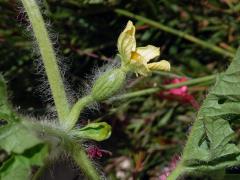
(147, 130)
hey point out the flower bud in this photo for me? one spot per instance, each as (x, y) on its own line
(95, 131)
(108, 84)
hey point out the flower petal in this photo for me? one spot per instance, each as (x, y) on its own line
(127, 42)
(148, 52)
(162, 65)
(139, 68)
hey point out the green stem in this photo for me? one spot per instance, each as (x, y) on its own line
(217, 172)
(191, 82)
(176, 32)
(49, 58)
(83, 162)
(167, 74)
(76, 110)
(178, 171)
(169, 86)
(73, 148)
(41, 171)
(57, 88)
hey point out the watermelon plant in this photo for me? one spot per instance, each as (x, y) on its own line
(210, 147)
(29, 144)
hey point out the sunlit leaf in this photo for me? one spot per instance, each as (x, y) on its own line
(210, 143)
(16, 138)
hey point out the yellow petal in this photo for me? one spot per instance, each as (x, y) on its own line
(135, 56)
(148, 52)
(163, 65)
(139, 68)
(126, 41)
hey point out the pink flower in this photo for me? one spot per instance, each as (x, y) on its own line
(95, 153)
(180, 94)
(167, 170)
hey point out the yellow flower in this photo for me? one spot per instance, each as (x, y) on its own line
(137, 58)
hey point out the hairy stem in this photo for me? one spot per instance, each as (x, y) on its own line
(169, 86)
(82, 160)
(57, 88)
(76, 110)
(48, 57)
(176, 32)
(70, 145)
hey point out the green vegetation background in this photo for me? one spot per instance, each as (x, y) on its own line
(147, 130)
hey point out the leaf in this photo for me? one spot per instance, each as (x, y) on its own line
(37, 154)
(16, 166)
(5, 109)
(219, 134)
(24, 148)
(164, 120)
(19, 166)
(95, 131)
(210, 141)
(16, 138)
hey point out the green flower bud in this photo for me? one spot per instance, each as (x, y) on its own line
(108, 84)
(94, 131)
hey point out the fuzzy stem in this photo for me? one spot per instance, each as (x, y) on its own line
(56, 85)
(49, 58)
(76, 110)
(82, 160)
(178, 171)
(169, 86)
(176, 32)
(72, 147)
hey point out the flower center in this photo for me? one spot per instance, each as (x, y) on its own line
(135, 56)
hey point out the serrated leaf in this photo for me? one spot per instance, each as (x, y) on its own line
(219, 134)
(16, 138)
(210, 142)
(94, 131)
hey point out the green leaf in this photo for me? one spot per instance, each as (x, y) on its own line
(23, 146)
(37, 154)
(5, 108)
(219, 134)
(15, 167)
(16, 138)
(19, 166)
(210, 143)
(94, 131)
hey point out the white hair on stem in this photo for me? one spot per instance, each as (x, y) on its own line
(44, 89)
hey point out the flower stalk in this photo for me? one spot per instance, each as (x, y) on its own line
(191, 82)
(76, 110)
